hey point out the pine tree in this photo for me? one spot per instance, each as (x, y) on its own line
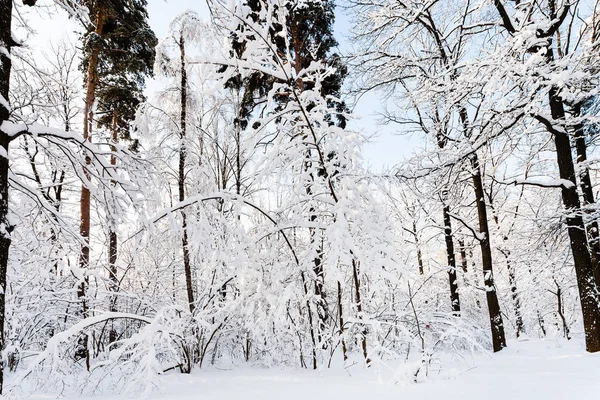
(125, 62)
(118, 54)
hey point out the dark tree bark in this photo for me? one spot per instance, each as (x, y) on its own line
(181, 178)
(559, 306)
(454, 297)
(496, 323)
(113, 244)
(588, 292)
(588, 193)
(5, 226)
(341, 318)
(463, 255)
(584, 269)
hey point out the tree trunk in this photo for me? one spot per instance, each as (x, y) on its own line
(341, 318)
(181, 178)
(84, 227)
(579, 247)
(454, 297)
(112, 243)
(5, 239)
(588, 194)
(559, 307)
(463, 255)
(496, 323)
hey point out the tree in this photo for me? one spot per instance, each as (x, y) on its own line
(125, 60)
(433, 87)
(540, 49)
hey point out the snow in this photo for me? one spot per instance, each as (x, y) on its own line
(529, 369)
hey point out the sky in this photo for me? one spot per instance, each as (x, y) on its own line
(385, 148)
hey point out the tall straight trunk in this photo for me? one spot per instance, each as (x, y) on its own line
(85, 200)
(588, 194)
(181, 178)
(5, 239)
(454, 297)
(113, 242)
(584, 270)
(496, 323)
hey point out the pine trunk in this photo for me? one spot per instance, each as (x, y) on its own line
(85, 200)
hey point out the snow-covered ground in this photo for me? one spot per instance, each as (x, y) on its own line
(529, 370)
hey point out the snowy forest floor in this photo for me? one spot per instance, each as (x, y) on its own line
(529, 369)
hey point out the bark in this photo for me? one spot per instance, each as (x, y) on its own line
(463, 255)
(588, 194)
(318, 271)
(559, 306)
(584, 269)
(113, 243)
(85, 200)
(579, 247)
(181, 178)
(5, 226)
(496, 323)
(454, 297)
(341, 318)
